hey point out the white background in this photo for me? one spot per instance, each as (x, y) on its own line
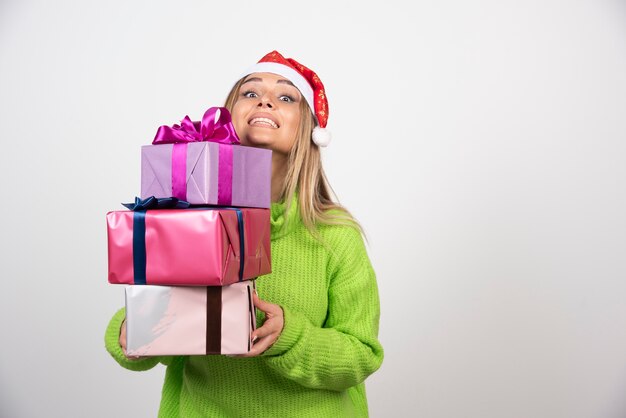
(481, 144)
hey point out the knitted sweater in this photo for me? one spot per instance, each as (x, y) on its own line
(327, 348)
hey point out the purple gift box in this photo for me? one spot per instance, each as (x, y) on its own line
(203, 163)
(206, 175)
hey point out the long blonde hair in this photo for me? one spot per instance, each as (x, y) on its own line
(305, 175)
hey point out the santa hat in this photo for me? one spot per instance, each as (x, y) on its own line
(306, 81)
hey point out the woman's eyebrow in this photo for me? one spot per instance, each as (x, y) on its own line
(258, 79)
(251, 79)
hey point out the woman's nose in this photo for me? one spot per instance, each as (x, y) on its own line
(265, 101)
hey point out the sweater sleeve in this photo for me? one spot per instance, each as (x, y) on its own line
(111, 342)
(345, 350)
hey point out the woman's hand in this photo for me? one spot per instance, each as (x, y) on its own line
(267, 334)
(122, 341)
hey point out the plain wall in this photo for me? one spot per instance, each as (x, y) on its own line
(481, 144)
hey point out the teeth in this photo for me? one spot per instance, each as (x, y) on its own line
(265, 121)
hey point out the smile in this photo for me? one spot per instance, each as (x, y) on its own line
(263, 122)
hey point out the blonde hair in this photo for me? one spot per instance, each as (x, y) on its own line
(305, 175)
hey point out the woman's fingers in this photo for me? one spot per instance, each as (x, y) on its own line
(122, 342)
(267, 334)
(270, 327)
(267, 307)
(122, 339)
(259, 347)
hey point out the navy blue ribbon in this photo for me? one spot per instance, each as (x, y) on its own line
(154, 203)
(242, 251)
(139, 229)
(139, 247)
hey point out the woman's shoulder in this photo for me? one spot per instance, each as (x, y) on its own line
(348, 258)
(341, 229)
(342, 234)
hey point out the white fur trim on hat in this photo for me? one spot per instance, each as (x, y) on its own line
(321, 136)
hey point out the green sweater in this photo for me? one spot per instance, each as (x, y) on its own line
(327, 348)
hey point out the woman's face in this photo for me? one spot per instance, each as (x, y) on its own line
(267, 112)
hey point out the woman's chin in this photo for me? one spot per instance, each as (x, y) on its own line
(256, 141)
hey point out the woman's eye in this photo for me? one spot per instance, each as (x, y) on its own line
(250, 94)
(286, 98)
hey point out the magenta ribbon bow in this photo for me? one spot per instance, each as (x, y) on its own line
(216, 126)
(211, 128)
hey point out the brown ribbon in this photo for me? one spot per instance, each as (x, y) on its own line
(213, 319)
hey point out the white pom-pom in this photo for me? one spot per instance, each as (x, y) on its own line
(321, 136)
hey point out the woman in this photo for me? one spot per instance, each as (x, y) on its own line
(319, 307)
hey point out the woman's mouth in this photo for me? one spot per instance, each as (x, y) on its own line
(263, 122)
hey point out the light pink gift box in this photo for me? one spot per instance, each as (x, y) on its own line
(188, 247)
(176, 320)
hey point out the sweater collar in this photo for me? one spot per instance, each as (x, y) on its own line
(282, 221)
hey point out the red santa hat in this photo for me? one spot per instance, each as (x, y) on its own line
(306, 81)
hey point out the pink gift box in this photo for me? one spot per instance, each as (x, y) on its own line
(175, 320)
(188, 247)
(207, 173)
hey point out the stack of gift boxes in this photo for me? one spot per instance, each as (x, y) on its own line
(190, 248)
